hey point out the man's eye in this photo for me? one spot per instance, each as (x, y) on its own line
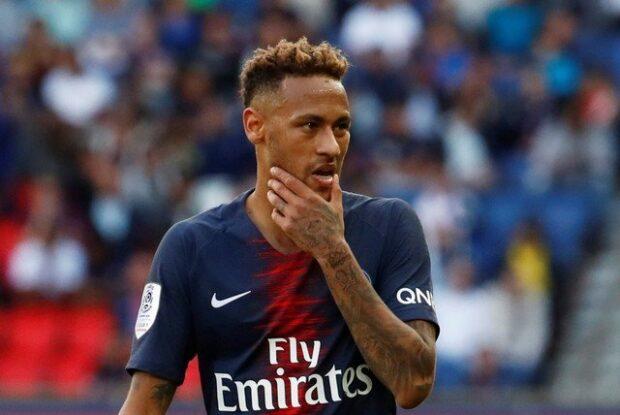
(344, 126)
(311, 125)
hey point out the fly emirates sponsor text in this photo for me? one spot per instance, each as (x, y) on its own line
(283, 391)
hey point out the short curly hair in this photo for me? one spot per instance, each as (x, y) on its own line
(266, 68)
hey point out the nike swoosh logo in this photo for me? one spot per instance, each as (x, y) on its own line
(215, 303)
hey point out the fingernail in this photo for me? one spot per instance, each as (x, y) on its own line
(273, 170)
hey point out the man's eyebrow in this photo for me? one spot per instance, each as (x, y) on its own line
(318, 118)
(308, 116)
(344, 118)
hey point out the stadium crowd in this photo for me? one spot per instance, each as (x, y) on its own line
(497, 120)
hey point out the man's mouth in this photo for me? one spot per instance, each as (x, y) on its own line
(324, 174)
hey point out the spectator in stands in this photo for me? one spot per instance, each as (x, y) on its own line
(275, 23)
(179, 32)
(443, 211)
(577, 146)
(392, 27)
(561, 70)
(49, 261)
(465, 322)
(75, 95)
(220, 148)
(512, 27)
(110, 28)
(472, 15)
(154, 77)
(67, 20)
(220, 50)
(26, 65)
(518, 310)
(318, 14)
(13, 24)
(518, 329)
(445, 55)
(467, 156)
(528, 259)
(109, 212)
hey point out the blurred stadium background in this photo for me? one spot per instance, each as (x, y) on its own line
(497, 120)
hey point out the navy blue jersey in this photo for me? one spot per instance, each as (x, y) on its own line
(268, 335)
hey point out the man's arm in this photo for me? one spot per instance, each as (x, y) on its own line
(401, 355)
(163, 335)
(148, 395)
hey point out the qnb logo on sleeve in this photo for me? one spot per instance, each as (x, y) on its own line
(408, 296)
(148, 308)
(284, 391)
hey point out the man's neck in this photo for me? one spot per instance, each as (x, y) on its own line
(259, 211)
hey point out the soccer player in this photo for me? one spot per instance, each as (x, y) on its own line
(297, 297)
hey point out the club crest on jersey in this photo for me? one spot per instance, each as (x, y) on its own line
(148, 308)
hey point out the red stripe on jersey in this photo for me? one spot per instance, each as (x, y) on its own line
(293, 311)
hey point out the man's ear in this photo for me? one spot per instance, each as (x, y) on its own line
(254, 125)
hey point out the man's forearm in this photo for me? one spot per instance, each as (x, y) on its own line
(397, 354)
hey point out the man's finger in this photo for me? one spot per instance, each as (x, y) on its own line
(293, 183)
(282, 191)
(276, 201)
(336, 194)
(277, 217)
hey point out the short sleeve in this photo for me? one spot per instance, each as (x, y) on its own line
(163, 341)
(404, 280)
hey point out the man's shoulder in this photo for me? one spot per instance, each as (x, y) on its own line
(204, 226)
(372, 208)
(367, 216)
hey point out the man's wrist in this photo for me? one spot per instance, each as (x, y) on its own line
(335, 254)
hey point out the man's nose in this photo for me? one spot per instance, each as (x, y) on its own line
(327, 143)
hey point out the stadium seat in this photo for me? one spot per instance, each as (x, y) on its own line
(10, 235)
(43, 345)
(565, 216)
(87, 331)
(72, 374)
(498, 214)
(29, 335)
(20, 375)
(31, 329)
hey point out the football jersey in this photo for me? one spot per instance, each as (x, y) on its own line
(268, 334)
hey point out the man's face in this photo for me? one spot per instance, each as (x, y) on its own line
(307, 131)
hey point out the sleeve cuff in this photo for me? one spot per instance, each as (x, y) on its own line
(419, 314)
(155, 370)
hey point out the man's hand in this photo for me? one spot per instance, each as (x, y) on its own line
(314, 224)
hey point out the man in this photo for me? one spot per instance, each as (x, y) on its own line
(298, 298)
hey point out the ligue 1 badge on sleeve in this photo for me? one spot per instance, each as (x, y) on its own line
(147, 299)
(148, 308)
